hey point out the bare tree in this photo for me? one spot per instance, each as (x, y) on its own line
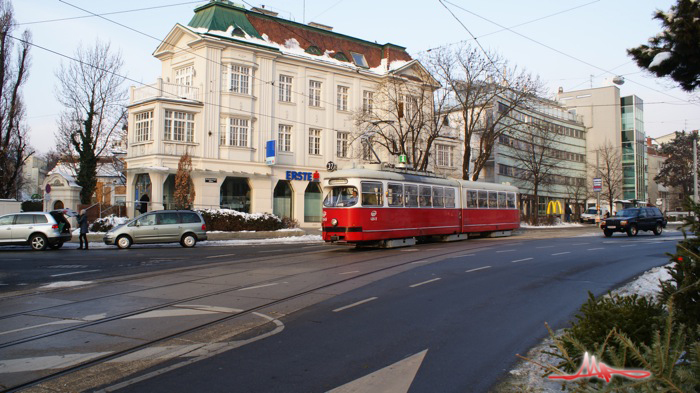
(609, 170)
(400, 117)
(486, 91)
(14, 147)
(533, 147)
(577, 191)
(91, 91)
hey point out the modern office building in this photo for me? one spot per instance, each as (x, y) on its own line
(235, 81)
(619, 122)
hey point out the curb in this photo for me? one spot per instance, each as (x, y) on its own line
(97, 237)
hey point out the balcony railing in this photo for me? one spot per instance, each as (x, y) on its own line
(162, 89)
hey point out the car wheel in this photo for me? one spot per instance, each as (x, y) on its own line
(123, 242)
(632, 231)
(38, 242)
(607, 232)
(56, 246)
(188, 240)
(658, 229)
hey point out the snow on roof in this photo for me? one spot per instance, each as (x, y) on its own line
(68, 172)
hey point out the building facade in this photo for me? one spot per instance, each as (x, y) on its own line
(618, 122)
(237, 81)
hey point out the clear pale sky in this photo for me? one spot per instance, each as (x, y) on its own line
(568, 43)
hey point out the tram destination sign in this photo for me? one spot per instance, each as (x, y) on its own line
(597, 184)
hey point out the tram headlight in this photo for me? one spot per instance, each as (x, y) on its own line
(334, 222)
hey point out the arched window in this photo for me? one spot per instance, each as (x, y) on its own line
(312, 202)
(314, 50)
(341, 56)
(235, 194)
(282, 199)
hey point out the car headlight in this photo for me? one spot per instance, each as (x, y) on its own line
(334, 222)
(623, 222)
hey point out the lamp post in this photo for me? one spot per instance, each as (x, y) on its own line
(695, 166)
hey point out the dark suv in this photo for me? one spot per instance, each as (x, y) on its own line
(635, 219)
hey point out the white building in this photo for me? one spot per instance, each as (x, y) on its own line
(234, 79)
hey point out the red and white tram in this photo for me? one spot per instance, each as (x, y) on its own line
(393, 208)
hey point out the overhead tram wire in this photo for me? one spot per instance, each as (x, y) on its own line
(108, 13)
(557, 50)
(512, 27)
(186, 50)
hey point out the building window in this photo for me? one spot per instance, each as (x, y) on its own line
(236, 133)
(408, 106)
(143, 126)
(284, 139)
(315, 93)
(359, 59)
(183, 80)
(285, 88)
(367, 101)
(444, 155)
(343, 98)
(179, 126)
(240, 79)
(342, 144)
(314, 141)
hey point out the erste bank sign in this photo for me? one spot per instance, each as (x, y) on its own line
(304, 176)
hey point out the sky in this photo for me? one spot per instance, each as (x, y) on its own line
(569, 44)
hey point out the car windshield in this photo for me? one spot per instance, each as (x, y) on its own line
(344, 196)
(628, 213)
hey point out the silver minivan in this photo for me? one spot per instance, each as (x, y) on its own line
(163, 226)
(37, 229)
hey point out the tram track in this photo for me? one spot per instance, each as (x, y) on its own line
(92, 362)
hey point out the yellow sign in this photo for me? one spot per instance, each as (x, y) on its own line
(554, 207)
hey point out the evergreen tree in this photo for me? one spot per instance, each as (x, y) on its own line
(677, 169)
(184, 189)
(676, 46)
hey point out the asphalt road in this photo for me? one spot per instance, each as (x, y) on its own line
(453, 325)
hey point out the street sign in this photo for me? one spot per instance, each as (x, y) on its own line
(270, 153)
(597, 184)
(402, 159)
(48, 188)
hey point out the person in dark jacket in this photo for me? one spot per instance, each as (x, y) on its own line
(83, 223)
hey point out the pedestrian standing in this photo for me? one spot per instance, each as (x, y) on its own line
(567, 213)
(83, 223)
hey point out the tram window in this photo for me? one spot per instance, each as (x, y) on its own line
(425, 196)
(501, 200)
(511, 200)
(472, 199)
(493, 200)
(483, 200)
(450, 197)
(372, 194)
(438, 197)
(411, 195)
(341, 197)
(394, 194)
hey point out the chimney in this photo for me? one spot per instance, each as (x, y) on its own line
(320, 26)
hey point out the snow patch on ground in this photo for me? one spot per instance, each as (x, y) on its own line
(558, 225)
(65, 284)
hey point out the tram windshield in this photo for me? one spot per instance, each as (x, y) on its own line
(344, 196)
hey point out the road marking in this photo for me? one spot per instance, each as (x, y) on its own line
(416, 262)
(521, 260)
(270, 251)
(181, 312)
(67, 266)
(354, 271)
(396, 378)
(593, 249)
(409, 250)
(545, 247)
(478, 268)
(70, 274)
(355, 304)
(460, 256)
(505, 251)
(61, 322)
(562, 253)
(579, 244)
(47, 362)
(425, 282)
(629, 245)
(258, 286)
(220, 256)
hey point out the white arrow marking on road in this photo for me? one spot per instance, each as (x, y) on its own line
(395, 378)
(47, 362)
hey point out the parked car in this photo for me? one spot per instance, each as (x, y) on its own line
(635, 219)
(164, 226)
(36, 229)
(590, 214)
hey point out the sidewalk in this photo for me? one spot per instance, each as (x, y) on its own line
(217, 235)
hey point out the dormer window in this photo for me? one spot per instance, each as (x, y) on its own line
(341, 56)
(313, 50)
(237, 32)
(359, 59)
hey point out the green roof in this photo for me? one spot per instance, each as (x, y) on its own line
(219, 15)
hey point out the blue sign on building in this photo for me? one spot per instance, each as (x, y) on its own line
(270, 153)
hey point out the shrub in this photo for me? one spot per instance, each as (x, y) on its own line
(106, 223)
(231, 220)
(636, 317)
(32, 206)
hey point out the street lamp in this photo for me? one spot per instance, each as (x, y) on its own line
(695, 166)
